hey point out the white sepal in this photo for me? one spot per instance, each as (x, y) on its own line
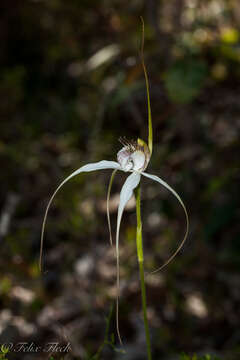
(104, 164)
(159, 180)
(126, 193)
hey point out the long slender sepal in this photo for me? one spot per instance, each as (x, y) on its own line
(159, 180)
(108, 198)
(150, 132)
(104, 164)
(126, 193)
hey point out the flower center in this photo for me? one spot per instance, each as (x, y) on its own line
(133, 157)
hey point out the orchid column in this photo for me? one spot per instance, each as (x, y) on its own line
(133, 158)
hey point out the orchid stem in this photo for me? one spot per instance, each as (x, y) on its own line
(141, 269)
(150, 130)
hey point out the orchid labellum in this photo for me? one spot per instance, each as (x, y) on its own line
(133, 158)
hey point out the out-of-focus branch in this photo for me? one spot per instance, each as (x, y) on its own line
(7, 213)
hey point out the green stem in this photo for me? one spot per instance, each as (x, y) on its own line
(141, 269)
(150, 131)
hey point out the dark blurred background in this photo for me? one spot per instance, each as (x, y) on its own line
(71, 85)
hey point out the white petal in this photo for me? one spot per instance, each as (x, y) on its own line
(156, 178)
(104, 164)
(126, 193)
(138, 158)
(101, 165)
(123, 158)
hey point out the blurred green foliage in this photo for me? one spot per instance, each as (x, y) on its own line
(3, 352)
(195, 357)
(71, 83)
(185, 79)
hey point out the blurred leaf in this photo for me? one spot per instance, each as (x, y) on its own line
(230, 52)
(5, 285)
(230, 35)
(217, 183)
(185, 79)
(195, 357)
(101, 56)
(219, 71)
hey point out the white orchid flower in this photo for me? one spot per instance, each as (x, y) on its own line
(133, 158)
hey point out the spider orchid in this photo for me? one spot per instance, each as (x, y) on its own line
(133, 158)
